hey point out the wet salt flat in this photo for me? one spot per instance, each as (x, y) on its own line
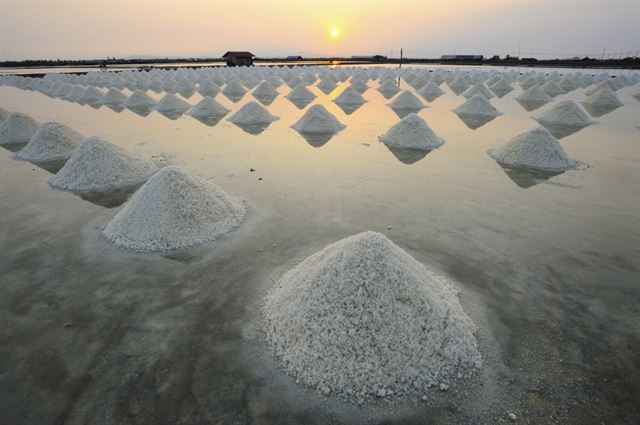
(547, 263)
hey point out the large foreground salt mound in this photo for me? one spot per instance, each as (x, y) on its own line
(52, 142)
(363, 317)
(174, 210)
(535, 149)
(317, 120)
(18, 129)
(412, 132)
(100, 166)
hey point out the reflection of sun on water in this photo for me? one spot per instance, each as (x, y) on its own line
(335, 32)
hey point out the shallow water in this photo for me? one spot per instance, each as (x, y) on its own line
(548, 267)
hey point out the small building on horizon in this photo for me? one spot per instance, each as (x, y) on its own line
(294, 58)
(239, 58)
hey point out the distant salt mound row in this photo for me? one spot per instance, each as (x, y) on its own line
(430, 91)
(252, 113)
(208, 107)
(139, 100)
(174, 210)
(603, 98)
(406, 100)
(478, 89)
(567, 113)
(100, 166)
(535, 149)
(477, 106)
(52, 142)
(172, 104)
(18, 129)
(114, 97)
(363, 318)
(350, 97)
(264, 90)
(412, 132)
(301, 93)
(317, 120)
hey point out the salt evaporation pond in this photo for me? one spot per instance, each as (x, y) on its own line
(546, 265)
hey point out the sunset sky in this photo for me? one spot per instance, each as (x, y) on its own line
(96, 29)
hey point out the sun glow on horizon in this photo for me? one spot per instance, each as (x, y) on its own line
(334, 33)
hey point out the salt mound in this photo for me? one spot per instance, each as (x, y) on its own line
(478, 105)
(359, 85)
(478, 89)
(566, 112)
(603, 98)
(327, 85)
(406, 100)
(114, 97)
(91, 96)
(459, 85)
(173, 210)
(18, 129)
(350, 97)
(412, 132)
(172, 104)
(99, 166)
(431, 91)
(534, 94)
(208, 107)
(636, 95)
(552, 88)
(139, 99)
(208, 88)
(536, 149)
(233, 89)
(501, 87)
(4, 115)
(317, 120)
(388, 88)
(363, 317)
(265, 90)
(52, 142)
(300, 93)
(252, 113)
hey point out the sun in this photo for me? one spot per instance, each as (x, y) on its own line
(335, 32)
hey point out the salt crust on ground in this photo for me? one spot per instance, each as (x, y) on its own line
(406, 100)
(174, 210)
(412, 132)
(208, 107)
(252, 113)
(18, 129)
(362, 317)
(535, 149)
(100, 166)
(53, 141)
(477, 105)
(317, 120)
(566, 112)
(350, 97)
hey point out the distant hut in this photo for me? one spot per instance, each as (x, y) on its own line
(239, 58)
(294, 58)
